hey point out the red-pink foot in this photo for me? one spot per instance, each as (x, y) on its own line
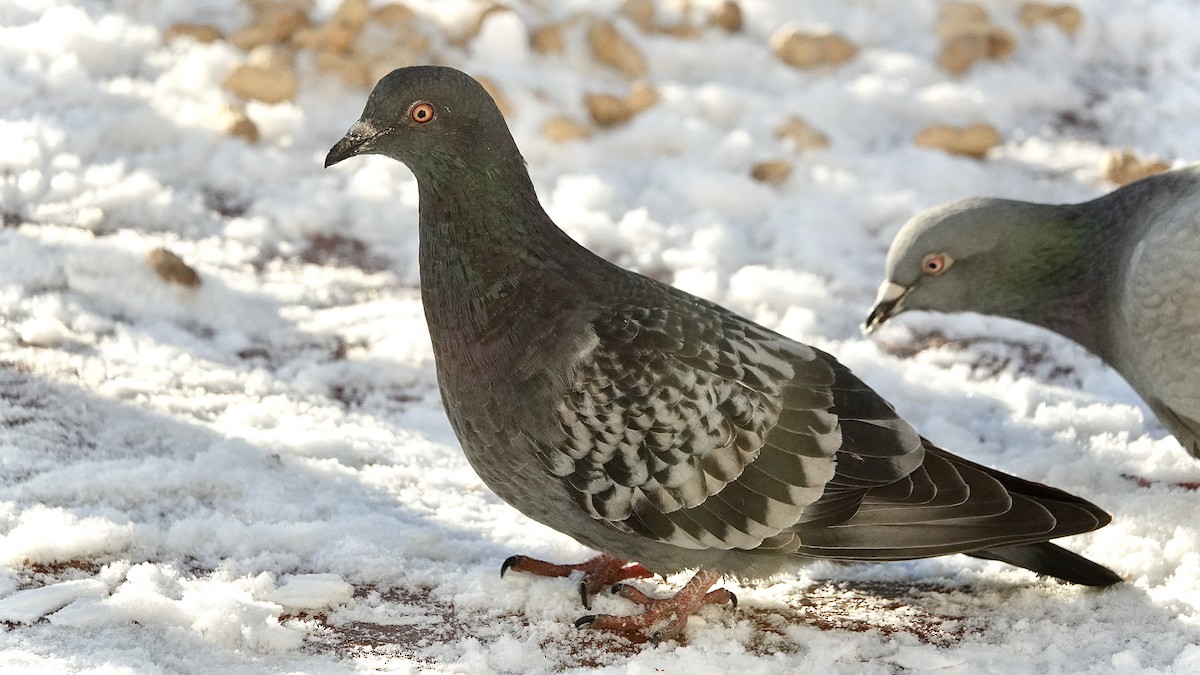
(676, 609)
(603, 570)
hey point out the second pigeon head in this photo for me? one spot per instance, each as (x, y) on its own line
(992, 256)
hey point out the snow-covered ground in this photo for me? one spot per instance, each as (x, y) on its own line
(255, 474)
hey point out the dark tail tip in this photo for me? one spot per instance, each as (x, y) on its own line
(1054, 561)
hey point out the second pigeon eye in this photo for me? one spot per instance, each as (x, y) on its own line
(421, 113)
(935, 263)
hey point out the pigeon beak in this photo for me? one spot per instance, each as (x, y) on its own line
(353, 143)
(888, 303)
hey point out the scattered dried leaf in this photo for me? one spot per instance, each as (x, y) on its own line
(969, 13)
(727, 16)
(972, 141)
(607, 110)
(1000, 43)
(641, 13)
(548, 39)
(352, 68)
(352, 13)
(196, 31)
(967, 36)
(269, 84)
(960, 52)
(172, 268)
(241, 126)
(773, 172)
(563, 129)
(394, 14)
(272, 56)
(683, 31)
(801, 135)
(262, 6)
(340, 31)
(277, 24)
(1066, 17)
(1122, 167)
(641, 96)
(615, 50)
(810, 50)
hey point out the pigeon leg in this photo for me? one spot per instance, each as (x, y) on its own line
(601, 571)
(675, 609)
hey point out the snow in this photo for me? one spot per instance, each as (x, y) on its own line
(256, 475)
(32, 604)
(312, 591)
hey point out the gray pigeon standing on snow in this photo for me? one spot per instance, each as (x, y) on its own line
(651, 425)
(1120, 275)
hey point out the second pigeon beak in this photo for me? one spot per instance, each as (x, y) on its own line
(888, 303)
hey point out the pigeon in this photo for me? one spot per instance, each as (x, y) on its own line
(658, 428)
(1119, 275)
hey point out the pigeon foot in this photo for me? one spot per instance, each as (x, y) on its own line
(603, 570)
(675, 609)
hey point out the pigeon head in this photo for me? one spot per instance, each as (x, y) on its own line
(993, 256)
(438, 121)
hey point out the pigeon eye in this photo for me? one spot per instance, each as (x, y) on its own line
(421, 113)
(935, 263)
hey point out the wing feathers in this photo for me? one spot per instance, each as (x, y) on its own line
(703, 431)
(974, 508)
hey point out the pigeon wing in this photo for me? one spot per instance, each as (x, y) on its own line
(696, 428)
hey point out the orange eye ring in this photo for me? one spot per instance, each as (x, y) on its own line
(421, 113)
(935, 264)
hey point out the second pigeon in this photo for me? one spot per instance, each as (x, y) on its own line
(1120, 275)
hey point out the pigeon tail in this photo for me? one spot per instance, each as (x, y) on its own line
(1052, 560)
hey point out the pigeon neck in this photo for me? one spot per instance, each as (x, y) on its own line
(1075, 315)
(1067, 293)
(490, 258)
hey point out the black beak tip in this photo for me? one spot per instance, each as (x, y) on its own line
(338, 152)
(350, 145)
(357, 141)
(879, 314)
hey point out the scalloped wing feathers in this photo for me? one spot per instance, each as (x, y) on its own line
(703, 430)
(696, 428)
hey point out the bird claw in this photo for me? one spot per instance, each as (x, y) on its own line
(674, 610)
(632, 594)
(509, 562)
(597, 572)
